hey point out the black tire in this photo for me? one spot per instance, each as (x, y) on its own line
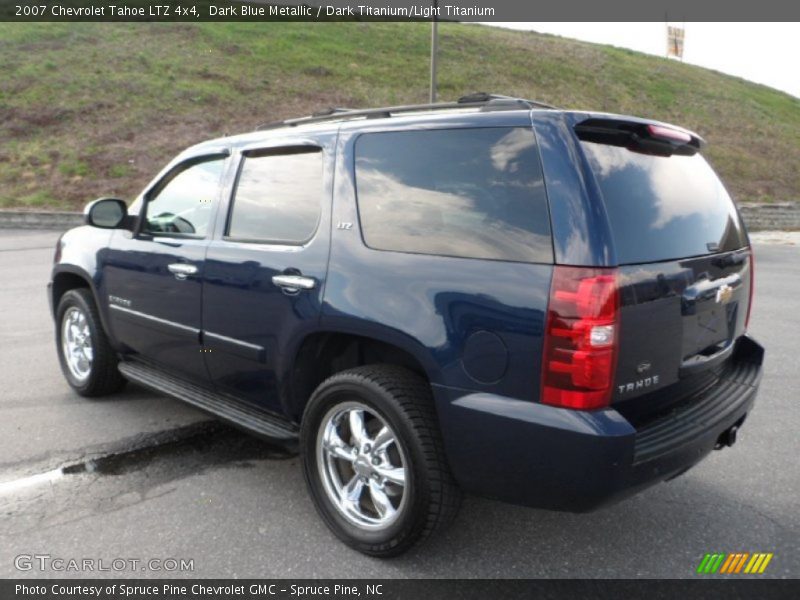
(404, 401)
(103, 376)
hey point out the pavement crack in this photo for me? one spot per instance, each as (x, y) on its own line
(101, 484)
(71, 459)
(50, 521)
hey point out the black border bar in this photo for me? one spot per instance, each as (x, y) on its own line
(400, 10)
(732, 588)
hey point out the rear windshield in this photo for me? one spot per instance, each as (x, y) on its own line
(663, 207)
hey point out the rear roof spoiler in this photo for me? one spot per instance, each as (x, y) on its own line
(649, 137)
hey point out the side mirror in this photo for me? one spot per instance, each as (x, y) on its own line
(107, 213)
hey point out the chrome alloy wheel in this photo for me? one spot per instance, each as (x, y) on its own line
(362, 465)
(76, 343)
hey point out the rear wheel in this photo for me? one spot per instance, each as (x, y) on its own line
(374, 462)
(87, 360)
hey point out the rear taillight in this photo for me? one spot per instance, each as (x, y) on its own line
(751, 259)
(581, 338)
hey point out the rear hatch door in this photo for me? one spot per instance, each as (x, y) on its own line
(685, 264)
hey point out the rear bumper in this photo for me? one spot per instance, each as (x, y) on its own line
(537, 455)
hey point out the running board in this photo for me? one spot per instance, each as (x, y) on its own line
(223, 406)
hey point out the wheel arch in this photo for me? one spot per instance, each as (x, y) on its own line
(324, 353)
(70, 277)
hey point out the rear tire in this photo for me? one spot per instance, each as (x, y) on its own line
(87, 360)
(374, 461)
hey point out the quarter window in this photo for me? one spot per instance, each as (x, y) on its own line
(278, 197)
(474, 193)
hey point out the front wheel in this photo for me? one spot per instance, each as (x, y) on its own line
(87, 360)
(374, 462)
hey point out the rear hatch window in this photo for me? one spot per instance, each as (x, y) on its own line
(663, 207)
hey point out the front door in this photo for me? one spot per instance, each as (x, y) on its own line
(265, 271)
(154, 278)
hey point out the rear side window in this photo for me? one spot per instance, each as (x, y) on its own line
(663, 207)
(473, 193)
(278, 197)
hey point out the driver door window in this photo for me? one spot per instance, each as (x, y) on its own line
(184, 205)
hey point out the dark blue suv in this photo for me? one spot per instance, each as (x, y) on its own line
(542, 306)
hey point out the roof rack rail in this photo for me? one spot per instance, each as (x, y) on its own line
(484, 101)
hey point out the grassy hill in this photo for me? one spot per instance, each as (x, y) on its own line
(97, 108)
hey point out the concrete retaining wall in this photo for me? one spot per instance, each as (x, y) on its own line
(22, 219)
(758, 217)
(771, 217)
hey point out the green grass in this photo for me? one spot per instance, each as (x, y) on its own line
(96, 109)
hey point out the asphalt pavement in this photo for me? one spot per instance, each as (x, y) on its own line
(150, 479)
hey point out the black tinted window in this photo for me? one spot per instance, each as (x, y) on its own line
(278, 198)
(663, 207)
(185, 204)
(474, 193)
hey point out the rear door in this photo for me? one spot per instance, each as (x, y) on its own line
(685, 265)
(265, 270)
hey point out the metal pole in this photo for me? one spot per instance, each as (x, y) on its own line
(683, 47)
(434, 50)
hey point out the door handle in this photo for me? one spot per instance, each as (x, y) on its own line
(294, 283)
(182, 270)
